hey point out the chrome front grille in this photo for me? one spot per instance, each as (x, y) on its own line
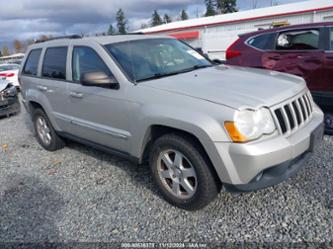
(292, 115)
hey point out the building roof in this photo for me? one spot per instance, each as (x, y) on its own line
(255, 14)
(12, 56)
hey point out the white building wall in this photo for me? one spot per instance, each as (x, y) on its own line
(216, 40)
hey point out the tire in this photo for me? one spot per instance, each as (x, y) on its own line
(328, 120)
(202, 185)
(54, 142)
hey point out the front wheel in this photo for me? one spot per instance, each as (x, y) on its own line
(182, 172)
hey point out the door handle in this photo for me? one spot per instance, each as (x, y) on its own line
(42, 88)
(274, 57)
(309, 58)
(76, 95)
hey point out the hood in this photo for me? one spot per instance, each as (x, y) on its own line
(3, 84)
(236, 87)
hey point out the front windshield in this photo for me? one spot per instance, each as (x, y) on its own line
(153, 58)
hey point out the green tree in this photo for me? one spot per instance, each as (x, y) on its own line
(183, 15)
(111, 30)
(18, 46)
(226, 6)
(5, 50)
(156, 19)
(121, 22)
(144, 25)
(210, 8)
(167, 18)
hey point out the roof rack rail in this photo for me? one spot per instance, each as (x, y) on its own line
(136, 33)
(60, 37)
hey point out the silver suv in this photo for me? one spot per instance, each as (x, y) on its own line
(201, 126)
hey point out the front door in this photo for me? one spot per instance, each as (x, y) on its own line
(98, 114)
(325, 94)
(299, 52)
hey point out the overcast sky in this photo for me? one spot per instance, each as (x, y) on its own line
(28, 19)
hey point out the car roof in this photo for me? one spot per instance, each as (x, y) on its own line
(103, 40)
(278, 29)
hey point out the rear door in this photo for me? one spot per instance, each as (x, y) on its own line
(299, 52)
(53, 84)
(324, 94)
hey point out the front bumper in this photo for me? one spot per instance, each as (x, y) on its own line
(267, 162)
(10, 106)
(271, 176)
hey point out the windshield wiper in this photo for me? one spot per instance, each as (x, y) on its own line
(197, 67)
(157, 76)
(160, 75)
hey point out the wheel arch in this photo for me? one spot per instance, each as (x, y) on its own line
(33, 105)
(158, 130)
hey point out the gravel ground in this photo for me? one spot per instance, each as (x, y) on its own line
(80, 194)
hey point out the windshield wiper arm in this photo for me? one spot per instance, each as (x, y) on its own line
(194, 68)
(161, 75)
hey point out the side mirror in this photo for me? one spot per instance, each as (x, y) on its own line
(199, 50)
(99, 79)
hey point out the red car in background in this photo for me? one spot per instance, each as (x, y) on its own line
(303, 50)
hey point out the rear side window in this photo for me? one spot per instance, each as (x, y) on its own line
(54, 65)
(298, 40)
(31, 66)
(263, 42)
(86, 60)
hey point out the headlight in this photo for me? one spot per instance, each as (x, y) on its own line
(250, 124)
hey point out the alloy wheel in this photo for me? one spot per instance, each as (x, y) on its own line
(177, 174)
(43, 130)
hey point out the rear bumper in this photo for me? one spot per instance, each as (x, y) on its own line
(12, 107)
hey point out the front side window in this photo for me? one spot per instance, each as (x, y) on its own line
(154, 58)
(298, 40)
(54, 65)
(263, 42)
(31, 65)
(86, 60)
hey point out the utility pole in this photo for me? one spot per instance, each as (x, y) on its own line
(274, 2)
(254, 4)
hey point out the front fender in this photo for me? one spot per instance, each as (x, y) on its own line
(201, 125)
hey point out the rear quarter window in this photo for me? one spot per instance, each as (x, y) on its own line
(31, 65)
(54, 65)
(263, 42)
